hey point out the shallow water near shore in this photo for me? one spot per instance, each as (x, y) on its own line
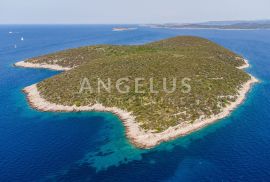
(38, 146)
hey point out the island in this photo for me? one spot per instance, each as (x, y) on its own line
(211, 83)
(120, 29)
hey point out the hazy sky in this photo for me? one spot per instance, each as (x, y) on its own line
(129, 11)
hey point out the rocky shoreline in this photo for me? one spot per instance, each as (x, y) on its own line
(43, 66)
(137, 136)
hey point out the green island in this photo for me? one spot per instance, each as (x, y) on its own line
(214, 74)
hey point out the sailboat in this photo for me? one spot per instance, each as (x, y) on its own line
(22, 39)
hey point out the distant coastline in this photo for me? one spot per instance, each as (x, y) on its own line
(186, 28)
(217, 25)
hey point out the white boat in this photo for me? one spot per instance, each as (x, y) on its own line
(22, 39)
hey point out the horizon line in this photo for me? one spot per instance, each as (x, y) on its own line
(193, 22)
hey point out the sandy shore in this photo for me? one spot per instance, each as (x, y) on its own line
(134, 132)
(44, 66)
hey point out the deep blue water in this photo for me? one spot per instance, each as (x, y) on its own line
(36, 146)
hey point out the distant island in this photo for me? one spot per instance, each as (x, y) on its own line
(227, 25)
(215, 76)
(119, 29)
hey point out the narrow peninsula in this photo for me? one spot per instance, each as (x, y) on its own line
(218, 84)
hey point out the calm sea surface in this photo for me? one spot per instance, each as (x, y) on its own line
(36, 146)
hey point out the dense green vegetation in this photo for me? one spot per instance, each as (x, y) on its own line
(214, 79)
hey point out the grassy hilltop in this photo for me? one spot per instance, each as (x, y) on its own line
(212, 70)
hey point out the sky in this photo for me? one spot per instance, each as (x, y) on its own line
(130, 11)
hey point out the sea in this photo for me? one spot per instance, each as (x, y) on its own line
(92, 146)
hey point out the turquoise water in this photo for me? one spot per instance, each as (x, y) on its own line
(37, 146)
